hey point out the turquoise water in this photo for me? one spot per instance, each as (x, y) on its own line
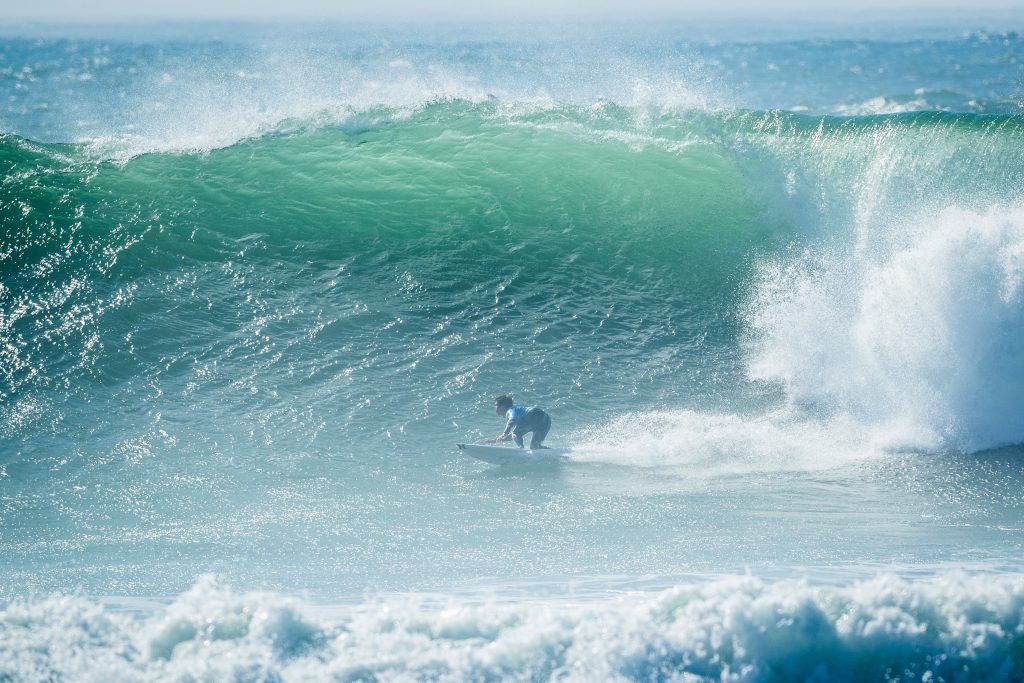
(255, 286)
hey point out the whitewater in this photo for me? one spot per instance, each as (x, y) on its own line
(256, 282)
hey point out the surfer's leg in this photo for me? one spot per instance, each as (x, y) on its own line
(540, 430)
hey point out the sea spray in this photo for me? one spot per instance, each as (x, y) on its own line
(920, 338)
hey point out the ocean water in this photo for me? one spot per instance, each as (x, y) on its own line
(256, 282)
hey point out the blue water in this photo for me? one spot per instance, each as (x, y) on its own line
(256, 282)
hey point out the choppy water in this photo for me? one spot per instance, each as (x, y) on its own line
(253, 288)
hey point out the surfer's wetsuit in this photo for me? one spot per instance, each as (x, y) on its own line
(522, 420)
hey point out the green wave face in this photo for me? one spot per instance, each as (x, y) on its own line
(456, 231)
(404, 265)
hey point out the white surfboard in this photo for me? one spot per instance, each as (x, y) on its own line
(509, 455)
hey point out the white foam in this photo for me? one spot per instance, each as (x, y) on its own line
(918, 326)
(952, 625)
(714, 444)
(907, 337)
(883, 105)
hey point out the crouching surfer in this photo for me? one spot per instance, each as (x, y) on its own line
(522, 420)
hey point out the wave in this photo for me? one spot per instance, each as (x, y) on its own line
(864, 269)
(950, 627)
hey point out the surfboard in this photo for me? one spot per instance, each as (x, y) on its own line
(510, 455)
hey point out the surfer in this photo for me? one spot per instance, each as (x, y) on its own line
(522, 420)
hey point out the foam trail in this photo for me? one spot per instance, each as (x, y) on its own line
(715, 444)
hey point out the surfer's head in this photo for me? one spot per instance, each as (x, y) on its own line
(502, 403)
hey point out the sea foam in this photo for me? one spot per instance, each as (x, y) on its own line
(921, 331)
(949, 627)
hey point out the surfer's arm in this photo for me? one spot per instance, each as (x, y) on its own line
(509, 426)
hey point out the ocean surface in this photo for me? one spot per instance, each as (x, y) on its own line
(256, 282)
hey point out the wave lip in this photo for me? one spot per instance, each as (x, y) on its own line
(948, 627)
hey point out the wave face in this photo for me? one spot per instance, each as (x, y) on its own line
(390, 265)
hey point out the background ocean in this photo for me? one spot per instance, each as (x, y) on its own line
(256, 282)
